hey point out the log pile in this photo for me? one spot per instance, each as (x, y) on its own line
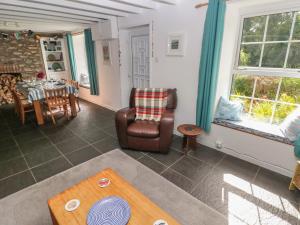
(8, 83)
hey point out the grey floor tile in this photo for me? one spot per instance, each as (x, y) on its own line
(207, 154)
(15, 183)
(166, 159)
(61, 135)
(71, 144)
(177, 142)
(28, 136)
(9, 153)
(93, 135)
(152, 164)
(111, 130)
(194, 169)
(133, 153)
(50, 168)
(23, 129)
(179, 180)
(270, 182)
(41, 156)
(35, 145)
(83, 155)
(238, 167)
(107, 144)
(12, 166)
(7, 143)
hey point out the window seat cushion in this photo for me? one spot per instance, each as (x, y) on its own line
(264, 130)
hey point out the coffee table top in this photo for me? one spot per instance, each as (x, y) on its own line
(143, 210)
(189, 129)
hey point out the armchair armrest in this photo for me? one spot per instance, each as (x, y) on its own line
(166, 130)
(123, 118)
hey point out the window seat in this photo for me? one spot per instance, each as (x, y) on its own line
(264, 130)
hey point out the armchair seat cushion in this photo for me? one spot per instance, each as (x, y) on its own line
(143, 128)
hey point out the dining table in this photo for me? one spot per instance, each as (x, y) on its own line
(34, 91)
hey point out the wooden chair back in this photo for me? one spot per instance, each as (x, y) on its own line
(16, 100)
(74, 83)
(56, 97)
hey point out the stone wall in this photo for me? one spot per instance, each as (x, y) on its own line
(25, 52)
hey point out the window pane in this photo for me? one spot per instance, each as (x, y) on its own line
(274, 55)
(242, 85)
(250, 55)
(253, 29)
(262, 110)
(296, 35)
(282, 111)
(246, 103)
(290, 90)
(266, 87)
(294, 56)
(279, 26)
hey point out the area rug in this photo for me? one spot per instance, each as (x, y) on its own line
(29, 206)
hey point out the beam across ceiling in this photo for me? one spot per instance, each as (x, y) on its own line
(146, 4)
(111, 5)
(170, 2)
(50, 13)
(39, 16)
(77, 6)
(23, 19)
(53, 8)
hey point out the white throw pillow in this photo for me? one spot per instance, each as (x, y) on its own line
(290, 127)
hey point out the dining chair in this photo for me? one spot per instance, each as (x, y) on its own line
(22, 106)
(56, 98)
(75, 84)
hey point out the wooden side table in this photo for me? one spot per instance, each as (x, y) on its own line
(190, 133)
(295, 182)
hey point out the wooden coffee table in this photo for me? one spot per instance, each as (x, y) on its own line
(143, 210)
(190, 133)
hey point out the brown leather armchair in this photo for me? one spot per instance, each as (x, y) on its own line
(146, 135)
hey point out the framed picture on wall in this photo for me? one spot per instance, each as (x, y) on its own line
(106, 52)
(176, 44)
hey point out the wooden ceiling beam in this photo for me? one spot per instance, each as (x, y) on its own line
(111, 5)
(43, 12)
(50, 8)
(146, 4)
(39, 16)
(77, 6)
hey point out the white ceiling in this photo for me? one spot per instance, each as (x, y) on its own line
(65, 15)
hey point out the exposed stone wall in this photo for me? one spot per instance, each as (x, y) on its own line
(25, 52)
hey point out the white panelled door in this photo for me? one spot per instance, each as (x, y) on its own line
(140, 61)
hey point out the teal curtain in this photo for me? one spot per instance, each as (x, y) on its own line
(297, 147)
(72, 56)
(209, 63)
(91, 61)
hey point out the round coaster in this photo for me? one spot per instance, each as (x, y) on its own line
(72, 205)
(160, 222)
(103, 182)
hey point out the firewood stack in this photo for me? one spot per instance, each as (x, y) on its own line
(9, 76)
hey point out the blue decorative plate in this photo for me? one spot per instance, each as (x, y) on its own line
(111, 210)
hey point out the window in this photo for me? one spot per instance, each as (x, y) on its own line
(266, 75)
(81, 60)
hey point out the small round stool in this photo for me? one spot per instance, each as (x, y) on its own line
(190, 133)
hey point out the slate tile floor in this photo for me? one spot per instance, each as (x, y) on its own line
(245, 193)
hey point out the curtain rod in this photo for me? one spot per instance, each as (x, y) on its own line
(203, 4)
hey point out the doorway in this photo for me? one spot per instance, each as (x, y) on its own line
(135, 59)
(140, 60)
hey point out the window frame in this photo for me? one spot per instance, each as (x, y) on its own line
(264, 71)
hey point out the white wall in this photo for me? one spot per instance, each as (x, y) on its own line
(182, 73)
(108, 78)
(172, 72)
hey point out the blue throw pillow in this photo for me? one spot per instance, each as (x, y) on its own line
(229, 110)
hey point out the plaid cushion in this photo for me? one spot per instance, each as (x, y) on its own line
(150, 103)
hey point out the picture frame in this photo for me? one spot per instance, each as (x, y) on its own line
(176, 44)
(106, 53)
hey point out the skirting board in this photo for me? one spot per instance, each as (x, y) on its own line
(249, 158)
